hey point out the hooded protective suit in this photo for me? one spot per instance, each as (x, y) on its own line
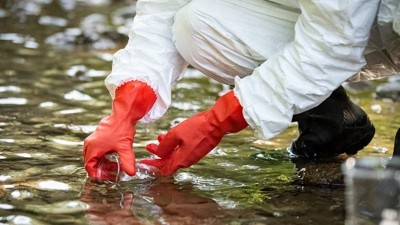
(296, 52)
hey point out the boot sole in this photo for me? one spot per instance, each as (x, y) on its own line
(363, 141)
(356, 143)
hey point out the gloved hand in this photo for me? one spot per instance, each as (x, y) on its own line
(192, 139)
(115, 133)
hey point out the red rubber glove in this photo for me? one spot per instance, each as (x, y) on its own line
(192, 139)
(115, 133)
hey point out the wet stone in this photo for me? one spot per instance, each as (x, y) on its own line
(94, 32)
(326, 172)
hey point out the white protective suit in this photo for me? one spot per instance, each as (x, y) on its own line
(296, 52)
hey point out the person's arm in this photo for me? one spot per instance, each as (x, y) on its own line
(140, 83)
(330, 38)
(150, 54)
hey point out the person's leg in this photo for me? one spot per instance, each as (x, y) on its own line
(229, 38)
(224, 39)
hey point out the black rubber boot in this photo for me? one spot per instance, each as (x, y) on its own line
(334, 127)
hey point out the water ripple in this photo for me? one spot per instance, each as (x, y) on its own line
(21, 194)
(18, 219)
(47, 104)
(70, 111)
(66, 142)
(13, 101)
(6, 206)
(15, 38)
(66, 207)
(53, 185)
(79, 128)
(80, 71)
(206, 184)
(10, 89)
(77, 96)
(53, 21)
(185, 106)
(7, 140)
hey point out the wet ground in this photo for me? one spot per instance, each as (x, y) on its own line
(52, 96)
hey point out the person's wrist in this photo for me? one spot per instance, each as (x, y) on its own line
(133, 100)
(227, 114)
(122, 121)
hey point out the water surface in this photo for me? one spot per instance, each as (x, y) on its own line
(52, 96)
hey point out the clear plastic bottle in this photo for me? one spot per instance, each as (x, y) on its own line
(109, 171)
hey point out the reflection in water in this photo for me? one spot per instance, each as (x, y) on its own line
(52, 96)
(165, 202)
(159, 202)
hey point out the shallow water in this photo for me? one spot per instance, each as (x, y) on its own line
(52, 97)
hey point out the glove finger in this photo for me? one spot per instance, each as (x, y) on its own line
(91, 167)
(92, 157)
(178, 160)
(166, 165)
(152, 148)
(127, 158)
(168, 145)
(160, 137)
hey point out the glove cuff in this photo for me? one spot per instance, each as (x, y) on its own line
(133, 100)
(227, 114)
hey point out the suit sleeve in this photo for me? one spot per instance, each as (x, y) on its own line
(330, 38)
(150, 54)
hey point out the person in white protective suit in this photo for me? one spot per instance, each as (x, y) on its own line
(286, 60)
